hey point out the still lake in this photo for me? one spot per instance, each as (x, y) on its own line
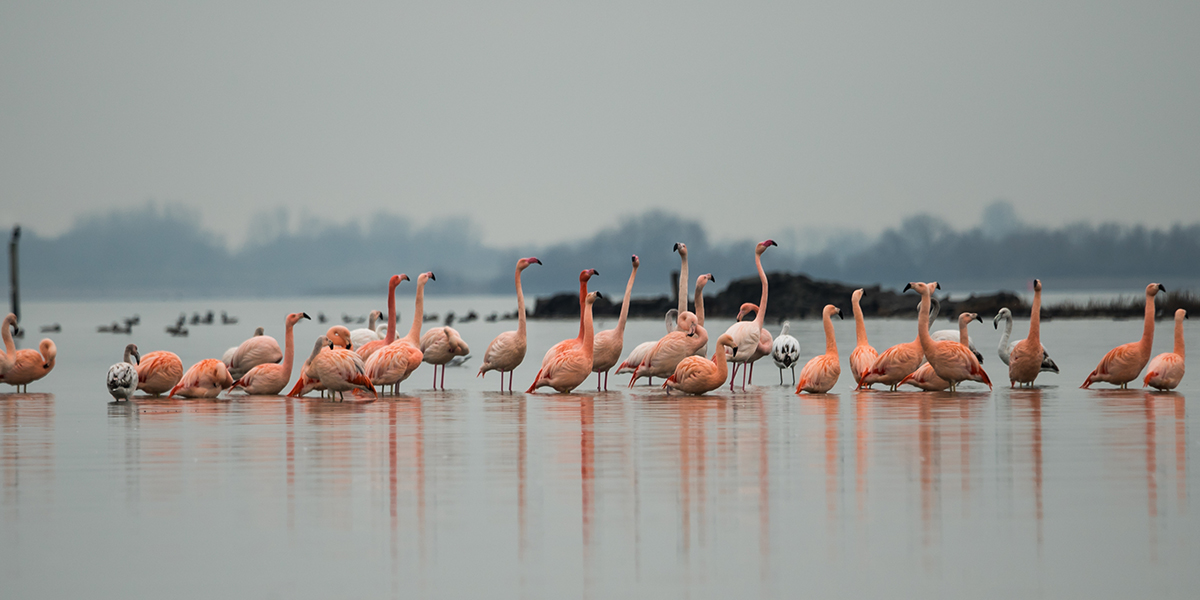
(1051, 492)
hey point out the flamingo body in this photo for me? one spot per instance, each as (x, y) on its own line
(122, 377)
(698, 375)
(159, 371)
(1125, 362)
(821, 372)
(204, 379)
(1166, 370)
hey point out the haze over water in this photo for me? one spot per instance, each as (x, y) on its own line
(1052, 492)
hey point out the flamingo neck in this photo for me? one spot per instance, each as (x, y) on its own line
(830, 338)
(762, 304)
(625, 304)
(289, 353)
(582, 304)
(586, 333)
(962, 332)
(1179, 348)
(722, 362)
(1035, 318)
(520, 305)
(128, 353)
(699, 303)
(683, 283)
(923, 323)
(1148, 329)
(860, 325)
(1007, 332)
(391, 325)
(414, 332)
(9, 347)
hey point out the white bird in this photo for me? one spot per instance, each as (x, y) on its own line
(785, 351)
(1006, 347)
(370, 333)
(123, 376)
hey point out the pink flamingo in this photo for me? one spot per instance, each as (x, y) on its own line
(822, 371)
(370, 333)
(639, 352)
(205, 379)
(662, 360)
(610, 342)
(388, 366)
(1166, 370)
(698, 375)
(746, 334)
(570, 367)
(765, 340)
(340, 337)
(952, 361)
(896, 362)
(1025, 358)
(439, 346)
(702, 281)
(365, 350)
(269, 379)
(864, 354)
(412, 341)
(337, 369)
(507, 351)
(159, 371)
(555, 350)
(925, 377)
(25, 366)
(257, 350)
(1123, 363)
(642, 351)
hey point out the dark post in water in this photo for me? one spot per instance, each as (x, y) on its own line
(12, 272)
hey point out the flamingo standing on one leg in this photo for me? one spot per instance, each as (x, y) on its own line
(925, 377)
(122, 377)
(439, 346)
(1166, 370)
(204, 379)
(785, 352)
(159, 371)
(698, 375)
(610, 342)
(1025, 359)
(822, 371)
(572, 365)
(952, 361)
(269, 379)
(25, 366)
(365, 350)
(864, 354)
(507, 351)
(1123, 363)
(1004, 350)
(746, 334)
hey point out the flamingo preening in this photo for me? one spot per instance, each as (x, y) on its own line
(698, 375)
(122, 377)
(23, 367)
(507, 351)
(1123, 363)
(821, 372)
(746, 334)
(258, 350)
(269, 379)
(370, 333)
(439, 346)
(572, 364)
(204, 379)
(610, 342)
(159, 371)
(864, 354)
(952, 361)
(338, 370)
(1166, 370)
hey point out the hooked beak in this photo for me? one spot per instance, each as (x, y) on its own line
(937, 286)
(735, 351)
(771, 243)
(979, 318)
(537, 261)
(305, 315)
(675, 248)
(711, 279)
(907, 286)
(1161, 288)
(137, 358)
(431, 276)
(839, 314)
(633, 259)
(595, 273)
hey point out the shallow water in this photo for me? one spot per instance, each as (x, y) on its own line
(1048, 492)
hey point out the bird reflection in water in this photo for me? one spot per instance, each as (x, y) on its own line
(1030, 400)
(26, 443)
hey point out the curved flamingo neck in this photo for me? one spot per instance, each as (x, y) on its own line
(830, 338)
(1179, 347)
(1007, 332)
(683, 282)
(762, 304)
(414, 332)
(699, 302)
(625, 303)
(860, 324)
(9, 347)
(391, 323)
(962, 331)
(1147, 341)
(1035, 318)
(289, 352)
(520, 304)
(722, 362)
(923, 323)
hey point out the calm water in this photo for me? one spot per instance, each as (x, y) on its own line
(1054, 492)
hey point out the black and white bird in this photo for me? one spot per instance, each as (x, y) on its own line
(123, 376)
(785, 351)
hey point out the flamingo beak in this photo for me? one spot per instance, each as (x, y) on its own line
(137, 358)
(595, 273)
(711, 279)
(771, 243)
(937, 286)
(537, 261)
(1161, 288)
(675, 248)
(431, 276)
(979, 318)
(839, 314)
(906, 288)
(305, 315)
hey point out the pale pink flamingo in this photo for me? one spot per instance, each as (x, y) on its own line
(335, 337)
(365, 350)
(204, 379)
(925, 377)
(370, 333)
(270, 379)
(1166, 370)
(159, 371)
(864, 354)
(952, 361)
(639, 352)
(439, 346)
(698, 375)
(337, 369)
(747, 333)
(8, 326)
(412, 341)
(388, 366)
(257, 350)
(672, 348)
(555, 350)
(507, 351)
(765, 340)
(899, 361)
(1123, 363)
(1026, 357)
(610, 342)
(570, 367)
(25, 366)
(227, 357)
(702, 281)
(822, 371)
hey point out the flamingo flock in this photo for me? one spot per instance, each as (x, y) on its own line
(366, 361)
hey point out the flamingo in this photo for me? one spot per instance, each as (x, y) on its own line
(159, 371)
(258, 350)
(1026, 357)
(948, 335)
(765, 342)
(746, 334)
(572, 365)
(822, 371)
(610, 342)
(639, 352)
(412, 341)
(337, 369)
(1166, 370)
(439, 346)
(925, 377)
(25, 366)
(122, 377)
(899, 361)
(366, 349)
(952, 361)
(205, 379)
(1123, 363)
(339, 336)
(697, 375)
(388, 366)
(702, 281)
(785, 351)
(269, 379)
(864, 354)
(370, 333)
(228, 355)
(672, 348)
(507, 351)
(555, 350)
(675, 322)
(1005, 348)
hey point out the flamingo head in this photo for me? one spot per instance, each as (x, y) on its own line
(636, 263)
(704, 280)
(294, 318)
(681, 248)
(763, 245)
(688, 321)
(1037, 285)
(1003, 314)
(395, 280)
(49, 351)
(592, 297)
(587, 274)
(727, 341)
(525, 262)
(1154, 288)
(967, 317)
(746, 308)
(339, 336)
(132, 350)
(259, 331)
(857, 295)
(831, 310)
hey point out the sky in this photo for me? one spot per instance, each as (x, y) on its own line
(544, 121)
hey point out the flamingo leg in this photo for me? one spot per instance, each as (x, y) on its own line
(443, 378)
(751, 373)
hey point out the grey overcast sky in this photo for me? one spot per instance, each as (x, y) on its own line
(542, 119)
